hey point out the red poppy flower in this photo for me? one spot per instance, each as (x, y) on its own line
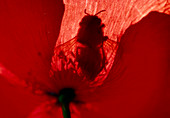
(136, 86)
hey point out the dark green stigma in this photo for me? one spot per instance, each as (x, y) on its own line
(66, 96)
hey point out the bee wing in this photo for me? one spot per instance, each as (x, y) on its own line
(110, 48)
(69, 45)
(64, 55)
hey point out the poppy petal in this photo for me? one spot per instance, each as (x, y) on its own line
(29, 30)
(50, 110)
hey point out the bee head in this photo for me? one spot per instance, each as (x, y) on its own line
(91, 20)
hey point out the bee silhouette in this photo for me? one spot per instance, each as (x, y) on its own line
(89, 52)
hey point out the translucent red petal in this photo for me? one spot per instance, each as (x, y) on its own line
(29, 31)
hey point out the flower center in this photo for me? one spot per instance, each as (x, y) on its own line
(66, 95)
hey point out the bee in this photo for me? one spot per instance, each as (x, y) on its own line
(89, 52)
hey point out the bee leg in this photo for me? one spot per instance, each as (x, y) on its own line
(77, 53)
(78, 48)
(78, 56)
(102, 26)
